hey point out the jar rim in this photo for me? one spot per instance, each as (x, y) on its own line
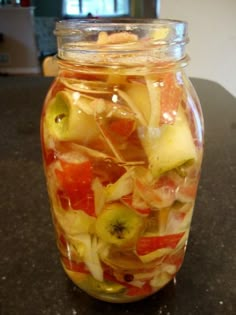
(68, 23)
(164, 38)
(72, 26)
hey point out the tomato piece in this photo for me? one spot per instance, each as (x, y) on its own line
(148, 244)
(75, 181)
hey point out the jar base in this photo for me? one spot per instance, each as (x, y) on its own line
(112, 294)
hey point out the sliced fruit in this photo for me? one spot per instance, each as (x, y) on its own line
(81, 75)
(187, 192)
(80, 275)
(123, 260)
(155, 102)
(160, 33)
(89, 255)
(165, 95)
(133, 287)
(157, 221)
(169, 146)
(148, 193)
(123, 186)
(147, 244)
(122, 127)
(135, 107)
(171, 96)
(118, 225)
(116, 124)
(138, 93)
(146, 289)
(74, 175)
(176, 259)
(160, 280)
(49, 155)
(179, 220)
(155, 197)
(115, 79)
(77, 277)
(75, 222)
(136, 203)
(66, 121)
(107, 170)
(116, 38)
(72, 266)
(156, 256)
(105, 286)
(87, 86)
(99, 195)
(75, 180)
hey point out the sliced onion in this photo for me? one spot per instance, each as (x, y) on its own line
(99, 195)
(74, 222)
(91, 258)
(132, 106)
(122, 187)
(154, 96)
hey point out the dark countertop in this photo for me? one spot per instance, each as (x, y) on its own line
(32, 281)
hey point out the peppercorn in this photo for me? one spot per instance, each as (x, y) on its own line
(128, 277)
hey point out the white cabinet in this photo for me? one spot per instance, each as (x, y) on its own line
(18, 49)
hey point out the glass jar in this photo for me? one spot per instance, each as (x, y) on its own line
(122, 142)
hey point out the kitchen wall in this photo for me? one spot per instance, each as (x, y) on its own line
(18, 49)
(144, 8)
(48, 7)
(139, 8)
(212, 30)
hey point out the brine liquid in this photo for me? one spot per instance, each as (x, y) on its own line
(122, 152)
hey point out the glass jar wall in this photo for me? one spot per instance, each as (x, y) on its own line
(122, 142)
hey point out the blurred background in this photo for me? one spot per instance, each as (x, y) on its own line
(26, 31)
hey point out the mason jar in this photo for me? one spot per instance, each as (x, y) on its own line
(122, 143)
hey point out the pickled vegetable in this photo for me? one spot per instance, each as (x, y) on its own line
(122, 158)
